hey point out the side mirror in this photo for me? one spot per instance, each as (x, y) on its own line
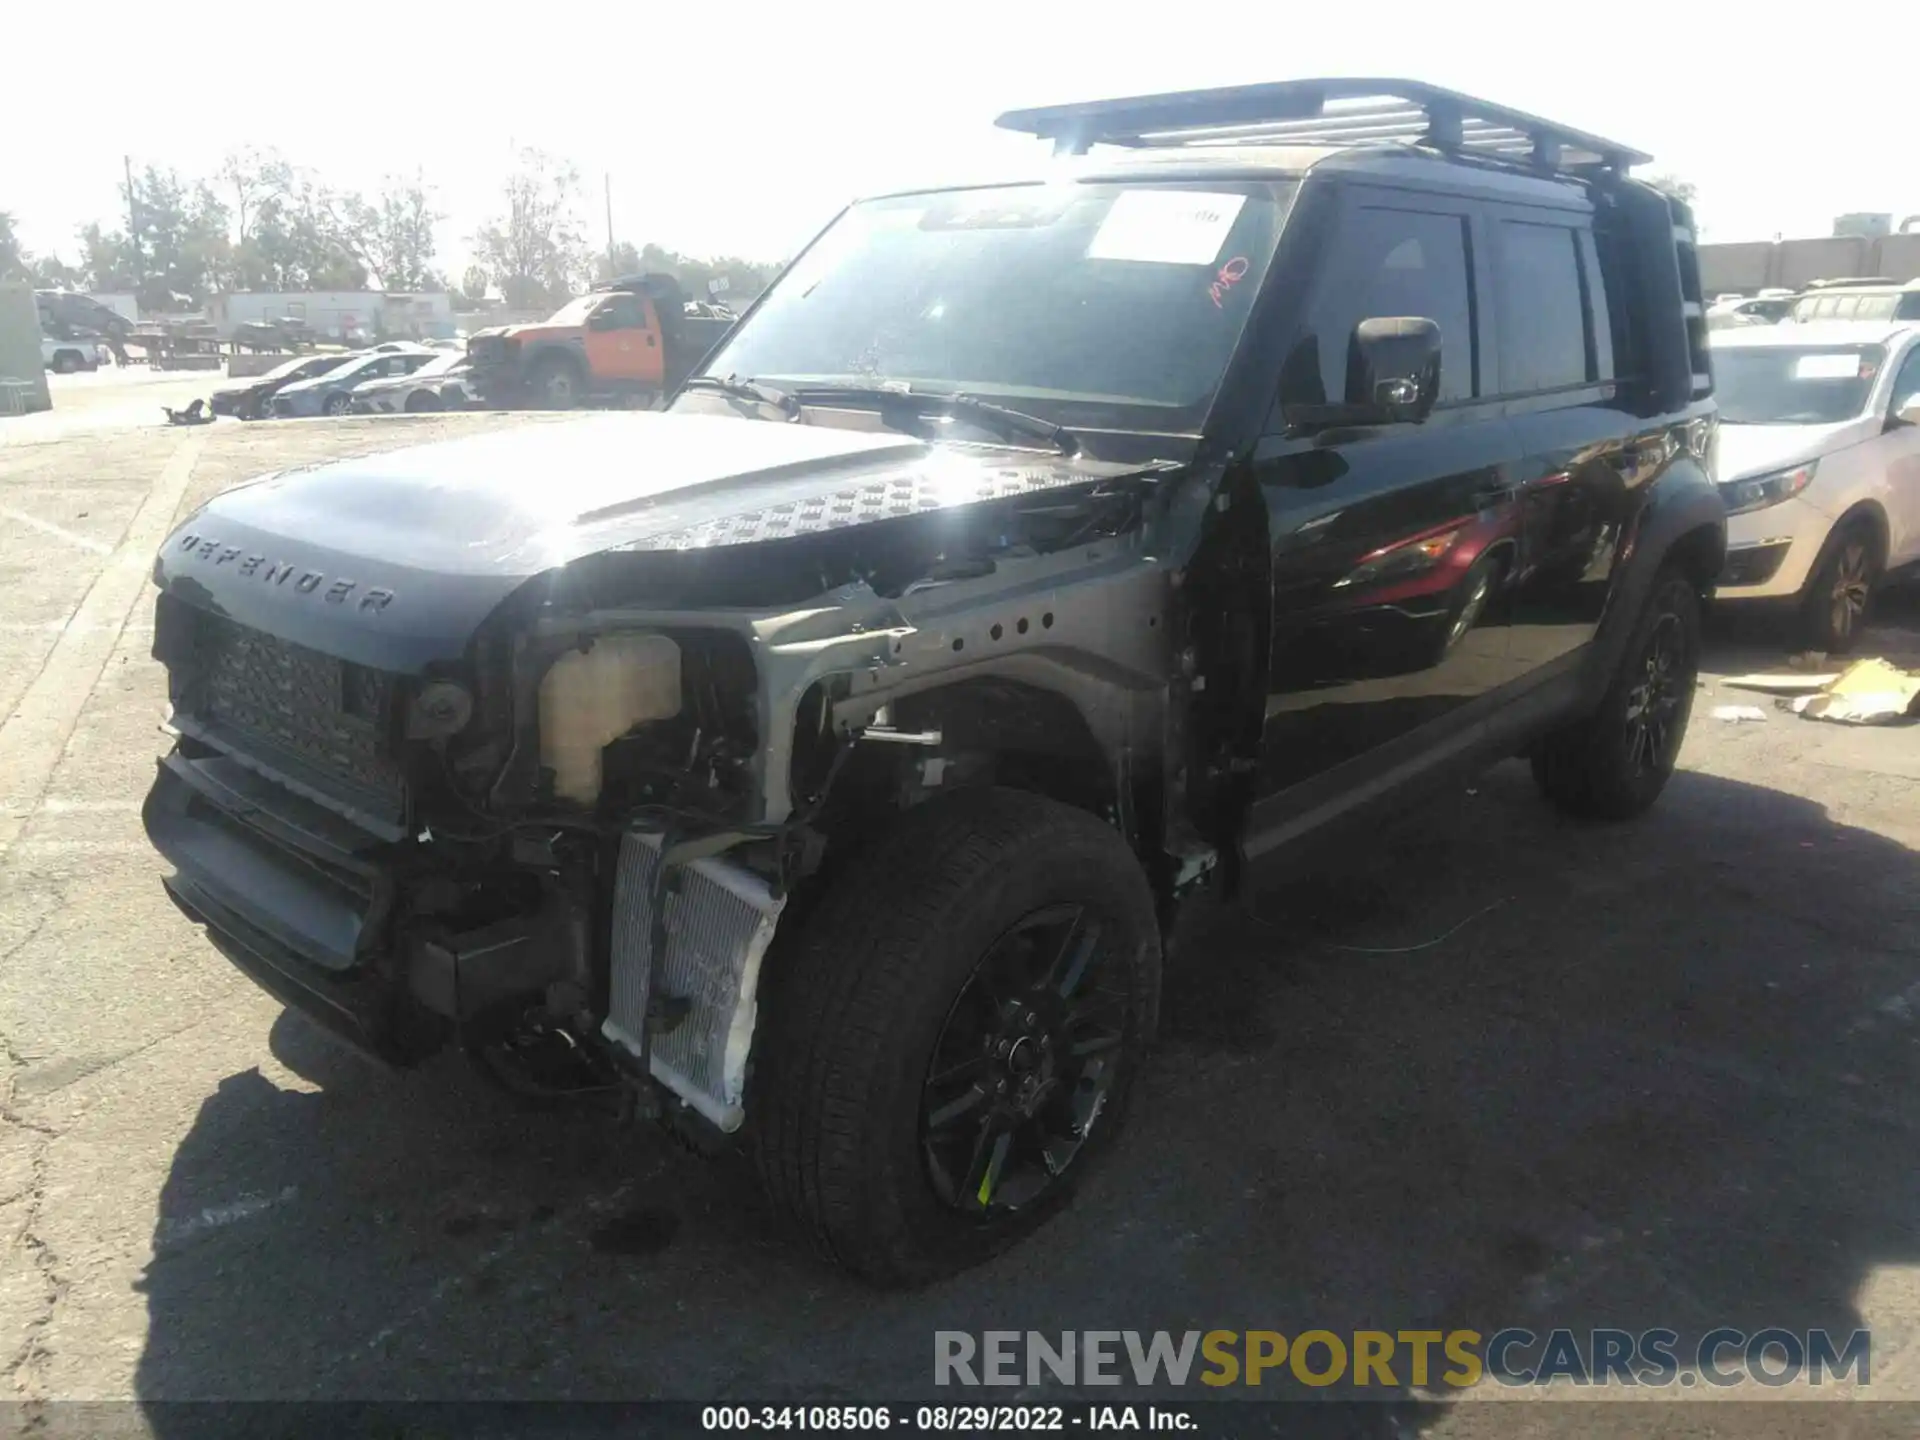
(1907, 411)
(1393, 368)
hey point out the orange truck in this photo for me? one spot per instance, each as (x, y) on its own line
(629, 341)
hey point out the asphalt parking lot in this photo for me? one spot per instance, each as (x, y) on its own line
(1500, 1070)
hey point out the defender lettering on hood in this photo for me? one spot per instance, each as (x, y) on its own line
(281, 572)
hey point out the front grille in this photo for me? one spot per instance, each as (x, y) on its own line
(319, 721)
(719, 922)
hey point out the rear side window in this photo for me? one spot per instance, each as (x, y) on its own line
(1909, 306)
(1542, 312)
(1386, 262)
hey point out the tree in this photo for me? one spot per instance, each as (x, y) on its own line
(533, 250)
(394, 236)
(14, 259)
(1674, 186)
(743, 277)
(289, 231)
(620, 259)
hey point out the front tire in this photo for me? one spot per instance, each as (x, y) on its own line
(952, 1036)
(555, 383)
(1835, 604)
(1613, 764)
(338, 405)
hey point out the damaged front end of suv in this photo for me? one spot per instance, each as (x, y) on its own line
(540, 770)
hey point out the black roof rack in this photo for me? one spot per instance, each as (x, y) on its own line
(1323, 112)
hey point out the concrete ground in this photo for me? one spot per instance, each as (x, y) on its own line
(1501, 1070)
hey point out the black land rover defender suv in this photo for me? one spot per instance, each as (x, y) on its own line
(826, 759)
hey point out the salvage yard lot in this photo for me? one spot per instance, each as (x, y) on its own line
(1666, 1074)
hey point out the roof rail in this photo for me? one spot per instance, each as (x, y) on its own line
(1324, 112)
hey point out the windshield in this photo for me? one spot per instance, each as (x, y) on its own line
(306, 365)
(1101, 304)
(1794, 384)
(441, 364)
(575, 311)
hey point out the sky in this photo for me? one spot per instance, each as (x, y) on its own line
(745, 128)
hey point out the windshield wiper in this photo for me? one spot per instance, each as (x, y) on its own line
(741, 389)
(1010, 423)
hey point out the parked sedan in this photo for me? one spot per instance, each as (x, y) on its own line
(1819, 465)
(444, 383)
(331, 393)
(252, 398)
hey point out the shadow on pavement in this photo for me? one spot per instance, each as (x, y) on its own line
(1654, 1075)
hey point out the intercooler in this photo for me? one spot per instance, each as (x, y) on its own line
(719, 921)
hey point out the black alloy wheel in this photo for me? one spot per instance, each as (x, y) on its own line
(1613, 763)
(1654, 698)
(1023, 1065)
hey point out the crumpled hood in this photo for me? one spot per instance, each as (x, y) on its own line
(394, 559)
(1743, 450)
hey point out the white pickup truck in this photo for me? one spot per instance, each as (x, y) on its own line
(63, 357)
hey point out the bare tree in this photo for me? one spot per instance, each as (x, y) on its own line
(534, 250)
(256, 179)
(394, 236)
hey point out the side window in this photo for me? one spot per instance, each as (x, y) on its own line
(1386, 262)
(1874, 307)
(622, 312)
(1601, 361)
(1909, 306)
(1543, 321)
(1906, 383)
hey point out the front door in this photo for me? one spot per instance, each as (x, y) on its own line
(623, 343)
(1900, 443)
(1392, 545)
(1585, 457)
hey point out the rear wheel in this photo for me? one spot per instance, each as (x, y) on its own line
(953, 1034)
(65, 362)
(422, 402)
(1835, 604)
(1614, 764)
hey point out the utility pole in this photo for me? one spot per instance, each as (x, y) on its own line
(607, 180)
(133, 219)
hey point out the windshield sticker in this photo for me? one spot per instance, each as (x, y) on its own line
(1231, 274)
(1166, 227)
(1826, 367)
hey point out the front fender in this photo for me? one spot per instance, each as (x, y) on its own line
(1682, 518)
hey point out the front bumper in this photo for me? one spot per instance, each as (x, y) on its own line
(1770, 552)
(291, 893)
(321, 915)
(305, 903)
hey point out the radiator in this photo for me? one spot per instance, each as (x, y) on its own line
(719, 921)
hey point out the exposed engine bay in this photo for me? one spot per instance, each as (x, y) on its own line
(571, 847)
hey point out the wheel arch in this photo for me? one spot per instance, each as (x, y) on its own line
(1071, 738)
(1868, 512)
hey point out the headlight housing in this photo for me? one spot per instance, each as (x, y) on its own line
(1757, 492)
